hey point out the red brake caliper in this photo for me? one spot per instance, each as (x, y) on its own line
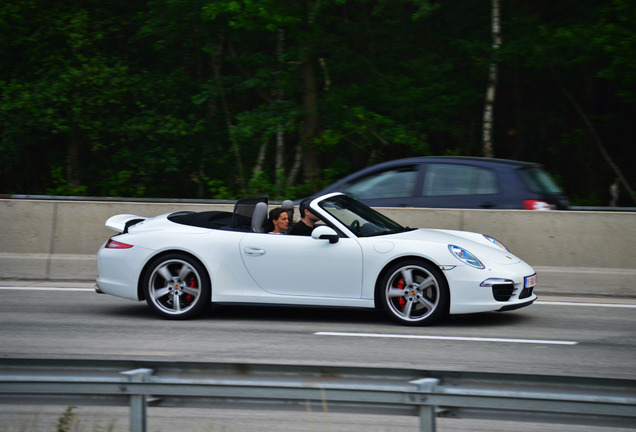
(401, 300)
(193, 284)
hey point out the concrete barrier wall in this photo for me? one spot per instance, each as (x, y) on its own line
(574, 253)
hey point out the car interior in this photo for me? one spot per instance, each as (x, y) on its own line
(249, 214)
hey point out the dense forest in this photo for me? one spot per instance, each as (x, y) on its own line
(223, 98)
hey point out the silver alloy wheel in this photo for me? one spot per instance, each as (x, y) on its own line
(174, 287)
(413, 293)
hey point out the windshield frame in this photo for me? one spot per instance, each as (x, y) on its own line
(346, 210)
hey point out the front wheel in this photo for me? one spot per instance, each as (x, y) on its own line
(414, 293)
(176, 286)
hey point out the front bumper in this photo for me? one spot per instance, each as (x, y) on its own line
(517, 305)
(506, 291)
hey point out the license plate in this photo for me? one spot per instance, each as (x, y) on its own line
(530, 281)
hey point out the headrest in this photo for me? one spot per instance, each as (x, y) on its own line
(259, 216)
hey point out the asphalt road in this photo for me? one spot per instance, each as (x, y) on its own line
(564, 336)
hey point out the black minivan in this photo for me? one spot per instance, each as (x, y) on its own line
(454, 182)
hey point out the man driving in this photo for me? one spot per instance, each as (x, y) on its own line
(307, 221)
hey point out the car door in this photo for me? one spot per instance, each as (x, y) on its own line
(449, 185)
(302, 266)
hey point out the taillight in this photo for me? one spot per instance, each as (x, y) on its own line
(537, 205)
(113, 244)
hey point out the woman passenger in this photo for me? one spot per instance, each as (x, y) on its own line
(278, 221)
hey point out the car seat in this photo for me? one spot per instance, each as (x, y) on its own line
(258, 217)
(288, 206)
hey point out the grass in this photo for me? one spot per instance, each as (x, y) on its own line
(68, 421)
(318, 419)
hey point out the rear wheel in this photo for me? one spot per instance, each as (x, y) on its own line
(176, 286)
(414, 292)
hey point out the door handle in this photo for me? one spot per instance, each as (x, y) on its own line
(254, 251)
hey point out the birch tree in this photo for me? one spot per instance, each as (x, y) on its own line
(492, 85)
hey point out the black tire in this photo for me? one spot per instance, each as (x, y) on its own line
(414, 292)
(177, 286)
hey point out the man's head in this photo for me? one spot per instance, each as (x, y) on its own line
(305, 214)
(303, 206)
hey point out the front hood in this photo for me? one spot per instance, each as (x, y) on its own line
(475, 243)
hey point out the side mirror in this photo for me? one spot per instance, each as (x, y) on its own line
(325, 233)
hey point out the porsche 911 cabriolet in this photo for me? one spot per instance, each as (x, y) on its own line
(182, 262)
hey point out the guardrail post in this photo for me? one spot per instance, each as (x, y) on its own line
(427, 411)
(138, 403)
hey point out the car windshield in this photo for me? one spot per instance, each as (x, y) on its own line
(539, 181)
(361, 220)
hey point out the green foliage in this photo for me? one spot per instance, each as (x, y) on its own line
(61, 185)
(219, 190)
(615, 36)
(188, 99)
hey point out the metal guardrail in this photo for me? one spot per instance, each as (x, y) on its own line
(423, 393)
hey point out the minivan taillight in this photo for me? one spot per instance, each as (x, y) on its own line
(113, 244)
(537, 205)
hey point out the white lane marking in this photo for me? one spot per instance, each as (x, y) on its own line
(448, 338)
(568, 303)
(6, 288)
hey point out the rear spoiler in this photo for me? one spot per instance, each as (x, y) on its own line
(122, 222)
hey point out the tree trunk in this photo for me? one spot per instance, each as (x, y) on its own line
(599, 144)
(492, 85)
(279, 169)
(260, 161)
(309, 132)
(73, 162)
(216, 67)
(295, 169)
(310, 125)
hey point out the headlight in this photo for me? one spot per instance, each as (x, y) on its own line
(464, 256)
(496, 242)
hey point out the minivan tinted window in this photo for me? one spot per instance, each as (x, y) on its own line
(449, 179)
(394, 183)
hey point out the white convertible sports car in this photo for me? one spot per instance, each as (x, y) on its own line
(355, 257)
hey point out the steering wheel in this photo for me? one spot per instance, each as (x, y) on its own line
(355, 226)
